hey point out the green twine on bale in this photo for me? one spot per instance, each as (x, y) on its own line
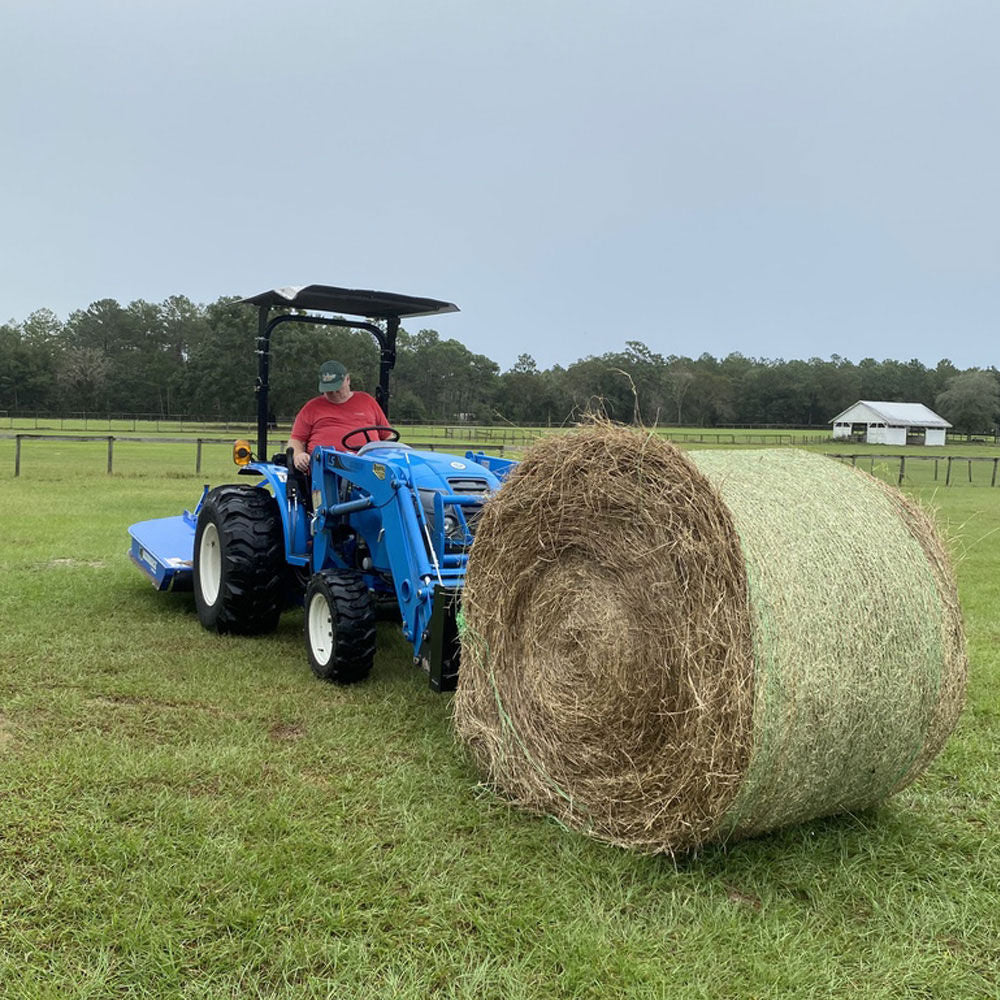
(847, 636)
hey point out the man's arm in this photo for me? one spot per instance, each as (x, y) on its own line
(298, 436)
(379, 419)
(300, 458)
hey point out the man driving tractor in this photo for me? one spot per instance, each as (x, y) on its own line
(327, 418)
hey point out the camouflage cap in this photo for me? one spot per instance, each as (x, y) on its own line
(331, 376)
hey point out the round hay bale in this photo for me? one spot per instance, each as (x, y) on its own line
(663, 650)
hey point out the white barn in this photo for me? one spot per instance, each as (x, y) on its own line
(890, 423)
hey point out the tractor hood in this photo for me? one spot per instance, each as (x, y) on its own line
(431, 470)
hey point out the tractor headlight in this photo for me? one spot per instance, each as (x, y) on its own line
(457, 524)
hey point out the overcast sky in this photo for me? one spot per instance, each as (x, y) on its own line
(782, 178)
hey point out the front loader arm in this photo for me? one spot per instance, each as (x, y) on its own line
(381, 504)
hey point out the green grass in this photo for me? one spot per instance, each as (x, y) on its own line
(183, 815)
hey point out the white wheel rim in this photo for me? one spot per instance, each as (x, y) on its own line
(320, 629)
(210, 564)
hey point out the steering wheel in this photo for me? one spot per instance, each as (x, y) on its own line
(394, 436)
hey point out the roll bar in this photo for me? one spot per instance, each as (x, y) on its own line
(386, 306)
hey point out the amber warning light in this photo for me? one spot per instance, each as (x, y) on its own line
(241, 453)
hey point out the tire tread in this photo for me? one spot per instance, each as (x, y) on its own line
(250, 600)
(353, 614)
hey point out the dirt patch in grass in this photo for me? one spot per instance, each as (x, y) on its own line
(210, 787)
(316, 779)
(747, 899)
(286, 732)
(141, 701)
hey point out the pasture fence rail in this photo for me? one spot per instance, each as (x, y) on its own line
(199, 442)
(81, 420)
(86, 421)
(949, 462)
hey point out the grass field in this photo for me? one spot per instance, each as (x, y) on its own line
(183, 815)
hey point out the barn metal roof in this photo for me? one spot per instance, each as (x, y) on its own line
(351, 301)
(895, 414)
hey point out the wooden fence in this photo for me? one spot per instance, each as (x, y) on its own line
(948, 461)
(197, 442)
(945, 467)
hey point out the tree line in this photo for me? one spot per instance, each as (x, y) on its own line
(177, 358)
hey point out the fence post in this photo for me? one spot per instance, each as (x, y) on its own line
(197, 464)
(970, 470)
(947, 474)
(902, 467)
(111, 446)
(993, 481)
(17, 455)
(936, 460)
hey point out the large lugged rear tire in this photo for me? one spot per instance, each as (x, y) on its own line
(340, 626)
(238, 561)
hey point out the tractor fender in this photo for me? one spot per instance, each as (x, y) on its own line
(294, 517)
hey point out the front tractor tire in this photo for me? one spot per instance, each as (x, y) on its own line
(340, 626)
(239, 561)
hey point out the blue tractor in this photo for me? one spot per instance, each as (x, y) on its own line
(375, 522)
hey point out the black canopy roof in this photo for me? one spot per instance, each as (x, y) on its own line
(351, 301)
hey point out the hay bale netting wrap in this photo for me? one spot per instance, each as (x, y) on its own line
(663, 650)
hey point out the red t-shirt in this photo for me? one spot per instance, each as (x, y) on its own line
(323, 422)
